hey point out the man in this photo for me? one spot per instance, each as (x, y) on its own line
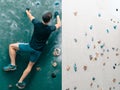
(40, 35)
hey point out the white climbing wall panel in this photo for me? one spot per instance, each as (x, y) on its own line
(90, 45)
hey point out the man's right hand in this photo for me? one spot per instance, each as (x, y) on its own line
(28, 9)
(56, 13)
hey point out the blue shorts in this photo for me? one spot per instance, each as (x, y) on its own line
(34, 54)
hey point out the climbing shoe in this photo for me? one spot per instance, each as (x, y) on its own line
(9, 68)
(21, 85)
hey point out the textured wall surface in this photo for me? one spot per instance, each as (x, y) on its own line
(91, 45)
(16, 27)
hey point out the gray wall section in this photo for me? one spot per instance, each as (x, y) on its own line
(16, 27)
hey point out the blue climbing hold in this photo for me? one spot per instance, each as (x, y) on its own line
(115, 27)
(99, 15)
(107, 31)
(75, 67)
(91, 27)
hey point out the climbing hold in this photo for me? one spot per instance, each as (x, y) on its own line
(53, 75)
(68, 89)
(98, 86)
(38, 68)
(102, 46)
(99, 42)
(117, 54)
(104, 64)
(94, 46)
(88, 46)
(99, 15)
(37, 3)
(114, 80)
(91, 84)
(116, 9)
(107, 30)
(117, 49)
(10, 86)
(107, 57)
(68, 68)
(113, 87)
(54, 64)
(110, 88)
(56, 3)
(85, 68)
(75, 13)
(93, 78)
(75, 67)
(113, 48)
(75, 88)
(91, 27)
(91, 57)
(114, 21)
(113, 67)
(95, 58)
(57, 52)
(115, 26)
(97, 54)
(75, 40)
(102, 54)
(107, 50)
(92, 39)
(103, 50)
(85, 34)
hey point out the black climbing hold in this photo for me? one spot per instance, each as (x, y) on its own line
(75, 40)
(28, 9)
(115, 26)
(116, 9)
(113, 67)
(53, 75)
(93, 78)
(57, 3)
(67, 89)
(88, 46)
(75, 88)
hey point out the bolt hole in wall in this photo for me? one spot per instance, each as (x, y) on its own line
(91, 47)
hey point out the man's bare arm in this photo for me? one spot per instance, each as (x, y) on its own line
(58, 24)
(30, 16)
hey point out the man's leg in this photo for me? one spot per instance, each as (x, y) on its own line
(20, 83)
(26, 71)
(12, 52)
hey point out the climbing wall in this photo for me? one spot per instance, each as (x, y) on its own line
(16, 27)
(91, 45)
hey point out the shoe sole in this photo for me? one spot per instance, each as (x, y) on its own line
(19, 87)
(9, 70)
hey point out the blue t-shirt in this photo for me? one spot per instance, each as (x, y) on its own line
(40, 35)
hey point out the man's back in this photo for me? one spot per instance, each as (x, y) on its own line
(40, 35)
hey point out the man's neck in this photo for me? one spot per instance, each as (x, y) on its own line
(44, 23)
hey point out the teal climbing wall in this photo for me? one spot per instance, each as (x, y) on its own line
(16, 27)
